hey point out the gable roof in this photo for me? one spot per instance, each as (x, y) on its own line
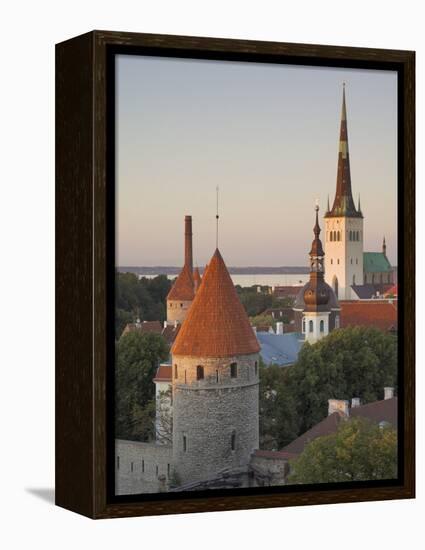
(143, 327)
(163, 374)
(377, 411)
(376, 262)
(374, 313)
(183, 287)
(217, 324)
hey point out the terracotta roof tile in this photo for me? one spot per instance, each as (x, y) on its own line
(144, 327)
(217, 324)
(380, 314)
(183, 287)
(196, 279)
(163, 374)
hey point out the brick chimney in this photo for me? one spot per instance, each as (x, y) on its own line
(188, 253)
(388, 393)
(338, 405)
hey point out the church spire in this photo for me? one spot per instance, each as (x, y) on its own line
(384, 247)
(343, 204)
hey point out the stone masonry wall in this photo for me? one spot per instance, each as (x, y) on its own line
(177, 310)
(208, 412)
(142, 467)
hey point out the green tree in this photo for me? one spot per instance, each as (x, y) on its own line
(359, 450)
(137, 358)
(278, 415)
(350, 362)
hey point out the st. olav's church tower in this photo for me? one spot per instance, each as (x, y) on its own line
(343, 226)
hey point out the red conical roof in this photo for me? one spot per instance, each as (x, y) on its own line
(196, 279)
(183, 287)
(216, 325)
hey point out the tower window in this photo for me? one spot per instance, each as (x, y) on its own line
(233, 370)
(132, 466)
(337, 321)
(332, 261)
(176, 372)
(156, 470)
(350, 236)
(118, 462)
(168, 470)
(184, 444)
(199, 372)
(339, 236)
(233, 441)
(256, 368)
(310, 326)
(304, 325)
(331, 236)
(185, 377)
(322, 326)
(357, 261)
(351, 261)
(216, 376)
(337, 261)
(143, 466)
(181, 305)
(354, 279)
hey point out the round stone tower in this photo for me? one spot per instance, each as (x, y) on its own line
(182, 292)
(215, 381)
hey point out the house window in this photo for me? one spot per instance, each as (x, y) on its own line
(118, 462)
(322, 326)
(303, 325)
(233, 370)
(199, 372)
(184, 444)
(337, 321)
(233, 441)
(310, 326)
(176, 372)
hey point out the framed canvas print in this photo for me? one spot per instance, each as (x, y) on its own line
(235, 274)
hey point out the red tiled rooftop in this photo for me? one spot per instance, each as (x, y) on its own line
(183, 287)
(372, 313)
(163, 374)
(217, 324)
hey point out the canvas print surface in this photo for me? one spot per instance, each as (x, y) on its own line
(256, 275)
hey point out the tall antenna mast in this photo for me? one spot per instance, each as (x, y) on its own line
(216, 219)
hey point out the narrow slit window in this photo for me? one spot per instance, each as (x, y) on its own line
(118, 462)
(233, 370)
(184, 444)
(199, 372)
(233, 442)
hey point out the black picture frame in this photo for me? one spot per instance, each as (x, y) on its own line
(85, 256)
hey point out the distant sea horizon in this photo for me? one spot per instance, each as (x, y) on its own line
(243, 276)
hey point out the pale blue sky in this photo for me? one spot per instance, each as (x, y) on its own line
(268, 136)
